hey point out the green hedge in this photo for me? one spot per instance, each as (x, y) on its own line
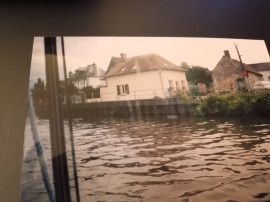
(235, 104)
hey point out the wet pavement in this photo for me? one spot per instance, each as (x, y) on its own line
(165, 159)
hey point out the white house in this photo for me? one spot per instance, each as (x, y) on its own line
(142, 77)
(263, 68)
(87, 76)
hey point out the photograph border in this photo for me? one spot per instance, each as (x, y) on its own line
(20, 22)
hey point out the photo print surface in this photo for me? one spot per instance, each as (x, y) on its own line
(147, 119)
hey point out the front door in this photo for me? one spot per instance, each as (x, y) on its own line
(241, 84)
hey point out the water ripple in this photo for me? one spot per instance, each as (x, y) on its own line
(158, 159)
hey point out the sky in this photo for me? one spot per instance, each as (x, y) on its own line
(204, 52)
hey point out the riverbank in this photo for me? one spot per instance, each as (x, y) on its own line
(240, 104)
(147, 107)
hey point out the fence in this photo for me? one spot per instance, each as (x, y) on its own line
(135, 95)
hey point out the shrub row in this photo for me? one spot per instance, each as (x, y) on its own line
(235, 104)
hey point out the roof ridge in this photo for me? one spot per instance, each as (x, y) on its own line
(136, 55)
(144, 55)
(259, 63)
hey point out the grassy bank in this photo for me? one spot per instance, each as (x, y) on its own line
(235, 104)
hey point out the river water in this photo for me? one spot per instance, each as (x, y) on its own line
(161, 159)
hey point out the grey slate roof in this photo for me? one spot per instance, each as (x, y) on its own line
(89, 71)
(265, 66)
(140, 63)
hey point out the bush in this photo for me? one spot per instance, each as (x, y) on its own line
(214, 105)
(185, 99)
(240, 103)
(262, 105)
(234, 104)
(194, 91)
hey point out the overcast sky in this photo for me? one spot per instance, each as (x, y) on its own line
(205, 52)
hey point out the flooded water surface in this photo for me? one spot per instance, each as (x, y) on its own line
(168, 159)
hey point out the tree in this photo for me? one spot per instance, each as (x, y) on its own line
(39, 93)
(92, 92)
(198, 74)
(71, 89)
(185, 66)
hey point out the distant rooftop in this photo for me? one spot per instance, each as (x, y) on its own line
(265, 66)
(235, 62)
(89, 71)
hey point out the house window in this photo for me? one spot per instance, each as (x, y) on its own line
(269, 78)
(171, 87)
(122, 89)
(177, 85)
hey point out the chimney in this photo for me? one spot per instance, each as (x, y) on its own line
(227, 54)
(70, 74)
(123, 57)
(94, 68)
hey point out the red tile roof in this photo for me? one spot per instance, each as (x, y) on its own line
(247, 68)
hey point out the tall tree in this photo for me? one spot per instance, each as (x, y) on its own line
(39, 93)
(70, 89)
(199, 74)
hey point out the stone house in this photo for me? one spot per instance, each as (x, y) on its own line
(203, 88)
(87, 76)
(262, 68)
(229, 75)
(142, 77)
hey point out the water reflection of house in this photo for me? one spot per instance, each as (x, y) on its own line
(228, 75)
(262, 68)
(142, 77)
(87, 76)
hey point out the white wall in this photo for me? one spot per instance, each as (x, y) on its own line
(92, 81)
(144, 85)
(266, 75)
(174, 76)
(79, 83)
